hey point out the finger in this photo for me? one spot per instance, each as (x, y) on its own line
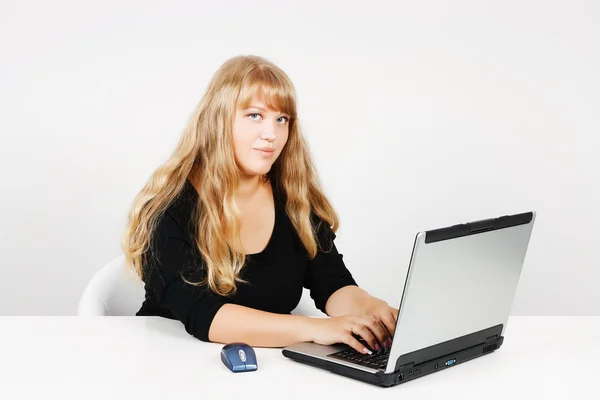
(390, 323)
(387, 341)
(368, 336)
(378, 330)
(355, 344)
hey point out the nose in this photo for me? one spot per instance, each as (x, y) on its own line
(268, 133)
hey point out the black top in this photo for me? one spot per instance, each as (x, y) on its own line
(275, 276)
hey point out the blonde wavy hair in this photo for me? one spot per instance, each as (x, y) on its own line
(204, 154)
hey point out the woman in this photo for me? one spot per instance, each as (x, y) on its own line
(227, 232)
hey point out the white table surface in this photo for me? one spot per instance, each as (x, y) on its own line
(154, 358)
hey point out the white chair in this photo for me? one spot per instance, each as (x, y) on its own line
(114, 290)
(306, 306)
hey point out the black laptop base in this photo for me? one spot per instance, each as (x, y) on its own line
(487, 341)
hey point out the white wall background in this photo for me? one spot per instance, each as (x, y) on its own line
(419, 115)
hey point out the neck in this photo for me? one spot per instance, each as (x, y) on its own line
(248, 187)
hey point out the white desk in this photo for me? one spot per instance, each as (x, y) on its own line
(154, 358)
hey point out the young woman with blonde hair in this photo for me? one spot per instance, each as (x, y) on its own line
(228, 231)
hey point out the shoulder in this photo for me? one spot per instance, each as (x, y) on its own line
(321, 228)
(323, 231)
(180, 214)
(172, 248)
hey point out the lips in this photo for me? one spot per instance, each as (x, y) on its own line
(267, 153)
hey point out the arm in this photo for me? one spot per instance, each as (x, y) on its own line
(235, 323)
(334, 290)
(205, 315)
(351, 300)
(332, 287)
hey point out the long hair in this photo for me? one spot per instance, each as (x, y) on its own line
(204, 154)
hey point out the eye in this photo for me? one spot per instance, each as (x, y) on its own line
(250, 115)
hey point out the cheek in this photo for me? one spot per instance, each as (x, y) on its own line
(243, 144)
(242, 137)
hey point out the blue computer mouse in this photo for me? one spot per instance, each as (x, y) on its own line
(239, 357)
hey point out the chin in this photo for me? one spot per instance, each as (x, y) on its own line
(257, 171)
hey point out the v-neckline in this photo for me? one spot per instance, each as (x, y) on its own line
(271, 238)
(260, 254)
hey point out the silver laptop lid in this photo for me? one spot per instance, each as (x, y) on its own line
(460, 280)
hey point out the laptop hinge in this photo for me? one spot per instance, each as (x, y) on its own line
(491, 339)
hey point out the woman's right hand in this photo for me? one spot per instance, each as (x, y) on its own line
(334, 330)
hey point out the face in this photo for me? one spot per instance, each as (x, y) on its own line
(259, 135)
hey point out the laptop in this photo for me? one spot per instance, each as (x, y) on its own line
(455, 304)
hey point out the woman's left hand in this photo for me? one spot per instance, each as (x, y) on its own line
(383, 312)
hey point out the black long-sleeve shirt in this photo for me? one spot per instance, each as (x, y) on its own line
(275, 276)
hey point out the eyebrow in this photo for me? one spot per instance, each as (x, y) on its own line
(262, 109)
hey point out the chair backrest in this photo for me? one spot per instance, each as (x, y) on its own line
(114, 290)
(306, 306)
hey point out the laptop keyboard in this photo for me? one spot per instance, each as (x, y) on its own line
(377, 360)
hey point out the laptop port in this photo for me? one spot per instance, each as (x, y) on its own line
(410, 372)
(417, 370)
(435, 366)
(451, 362)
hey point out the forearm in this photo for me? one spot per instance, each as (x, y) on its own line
(235, 323)
(350, 300)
